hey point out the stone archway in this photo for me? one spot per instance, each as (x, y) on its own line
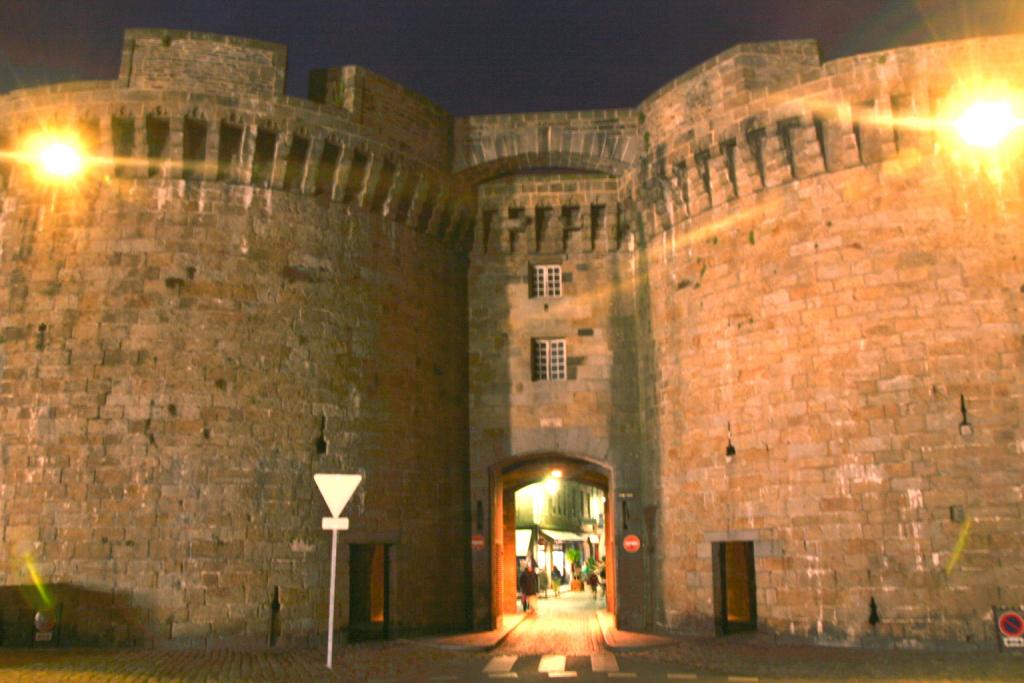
(513, 473)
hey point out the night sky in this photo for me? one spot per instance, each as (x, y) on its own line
(483, 56)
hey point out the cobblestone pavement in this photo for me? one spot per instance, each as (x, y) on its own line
(563, 641)
(757, 656)
(566, 625)
(406, 662)
(393, 661)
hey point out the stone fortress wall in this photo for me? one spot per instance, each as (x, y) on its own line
(257, 288)
(826, 287)
(756, 253)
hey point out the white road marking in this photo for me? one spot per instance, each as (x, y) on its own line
(682, 677)
(551, 663)
(500, 664)
(743, 679)
(603, 661)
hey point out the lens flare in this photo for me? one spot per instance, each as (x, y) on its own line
(987, 124)
(60, 159)
(56, 156)
(38, 582)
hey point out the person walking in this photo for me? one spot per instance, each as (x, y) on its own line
(528, 584)
(592, 581)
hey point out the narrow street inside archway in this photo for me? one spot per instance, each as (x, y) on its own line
(566, 625)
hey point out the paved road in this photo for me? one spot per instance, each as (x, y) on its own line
(562, 641)
(412, 663)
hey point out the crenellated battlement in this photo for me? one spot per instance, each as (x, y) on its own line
(163, 59)
(199, 106)
(281, 144)
(707, 144)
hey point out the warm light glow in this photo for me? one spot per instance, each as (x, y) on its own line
(60, 159)
(557, 474)
(56, 156)
(551, 485)
(986, 124)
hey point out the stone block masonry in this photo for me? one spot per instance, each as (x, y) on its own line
(832, 295)
(188, 337)
(790, 320)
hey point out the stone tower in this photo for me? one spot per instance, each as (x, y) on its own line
(255, 289)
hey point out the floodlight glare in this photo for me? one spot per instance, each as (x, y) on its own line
(60, 159)
(56, 156)
(986, 124)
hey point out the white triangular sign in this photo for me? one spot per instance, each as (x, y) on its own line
(337, 489)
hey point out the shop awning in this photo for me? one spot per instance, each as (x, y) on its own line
(562, 536)
(523, 542)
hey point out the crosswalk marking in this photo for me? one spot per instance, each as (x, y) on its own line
(682, 677)
(500, 664)
(743, 679)
(550, 663)
(603, 661)
(562, 674)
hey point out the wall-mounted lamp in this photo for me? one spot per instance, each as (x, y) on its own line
(552, 484)
(730, 450)
(965, 427)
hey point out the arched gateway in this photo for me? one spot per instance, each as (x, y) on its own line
(511, 475)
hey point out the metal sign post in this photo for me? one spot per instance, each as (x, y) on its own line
(336, 490)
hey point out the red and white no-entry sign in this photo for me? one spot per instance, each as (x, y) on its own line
(631, 543)
(477, 541)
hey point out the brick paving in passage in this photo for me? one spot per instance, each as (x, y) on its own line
(566, 625)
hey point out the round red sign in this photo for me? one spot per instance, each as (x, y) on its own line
(477, 541)
(631, 543)
(1011, 624)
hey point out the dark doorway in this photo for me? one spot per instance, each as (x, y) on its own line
(735, 587)
(369, 568)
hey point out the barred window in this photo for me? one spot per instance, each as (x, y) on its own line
(546, 281)
(548, 359)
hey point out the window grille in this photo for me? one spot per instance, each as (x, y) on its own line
(548, 359)
(546, 281)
